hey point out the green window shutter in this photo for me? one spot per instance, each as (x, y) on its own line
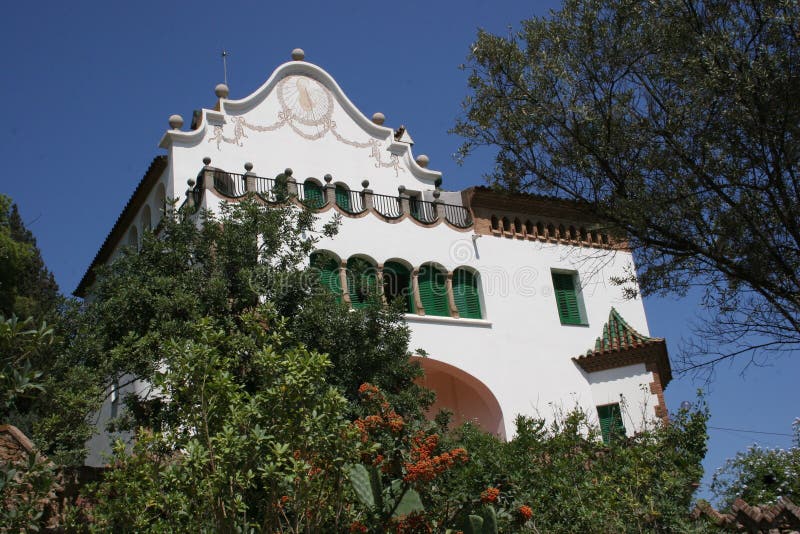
(465, 294)
(397, 285)
(433, 291)
(342, 198)
(361, 281)
(566, 298)
(328, 274)
(611, 425)
(313, 195)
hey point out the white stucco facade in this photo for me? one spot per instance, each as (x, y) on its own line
(518, 358)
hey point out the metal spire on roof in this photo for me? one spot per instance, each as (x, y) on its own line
(225, 55)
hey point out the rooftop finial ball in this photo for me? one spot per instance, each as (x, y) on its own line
(175, 122)
(298, 54)
(248, 166)
(378, 118)
(423, 160)
(221, 90)
(206, 161)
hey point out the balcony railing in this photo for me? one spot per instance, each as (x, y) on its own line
(315, 196)
(389, 207)
(422, 210)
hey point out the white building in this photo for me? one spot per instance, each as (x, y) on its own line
(509, 295)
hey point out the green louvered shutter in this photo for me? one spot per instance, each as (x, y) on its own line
(611, 425)
(343, 198)
(397, 285)
(465, 294)
(433, 291)
(328, 274)
(361, 281)
(313, 195)
(566, 298)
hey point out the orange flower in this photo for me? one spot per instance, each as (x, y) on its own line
(490, 494)
(357, 526)
(525, 512)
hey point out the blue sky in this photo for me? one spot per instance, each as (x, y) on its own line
(88, 87)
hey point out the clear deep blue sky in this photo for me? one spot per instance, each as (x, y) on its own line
(87, 89)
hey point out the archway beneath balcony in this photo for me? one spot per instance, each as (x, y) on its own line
(464, 395)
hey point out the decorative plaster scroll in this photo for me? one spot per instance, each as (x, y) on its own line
(307, 108)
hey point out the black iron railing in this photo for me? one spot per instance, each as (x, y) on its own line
(313, 195)
(387, 206)
(265, 188)
(457, 215)
(230, 184)
(350, 201)
(422, 210)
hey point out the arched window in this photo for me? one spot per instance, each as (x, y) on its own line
(397, 285)
(343, 198)
(362, 281)
(551, 231)
(539, 229)
(572, 234)
(584, 235)
(506, 225)
(146, 220)
(327, 268)
(529, 228)
(161, 201)
(517, 226)
(432, 283)
(312, 195)
(465, 294)
(133, 237)
(495, 223)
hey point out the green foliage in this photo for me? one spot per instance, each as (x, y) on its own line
(675, 123)
(27, 288)
(563, 478)
(20, 344)
(257, 440)
(759, 475)
(26, 491)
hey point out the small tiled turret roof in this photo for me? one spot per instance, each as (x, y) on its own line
(620, 345)
(618, 334)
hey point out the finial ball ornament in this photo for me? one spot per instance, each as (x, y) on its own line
(175, 122)
(328, 178)
(206, 161)
(365, 184)
(288, 171)
(401, 189)
(221, 90)
(248, 166)
(436, 193)
(378, 118)
(298, 54)
(190, 182)
(423, 160)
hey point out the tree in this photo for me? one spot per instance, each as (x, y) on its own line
(27, 288)
(759, 475)
(675, 122)
(217, 269)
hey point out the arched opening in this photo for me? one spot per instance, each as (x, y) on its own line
(362, 281)
(529, 228)
(313, 197)
(432, 283)
(326, 267)
(133, 237)
(466, 294)
(506, 225)
(462, 394)
(517, 226)
(397, 285)
(161, 201)
(146, 220)
(495, 223)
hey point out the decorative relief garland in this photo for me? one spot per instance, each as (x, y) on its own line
(305, 104)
